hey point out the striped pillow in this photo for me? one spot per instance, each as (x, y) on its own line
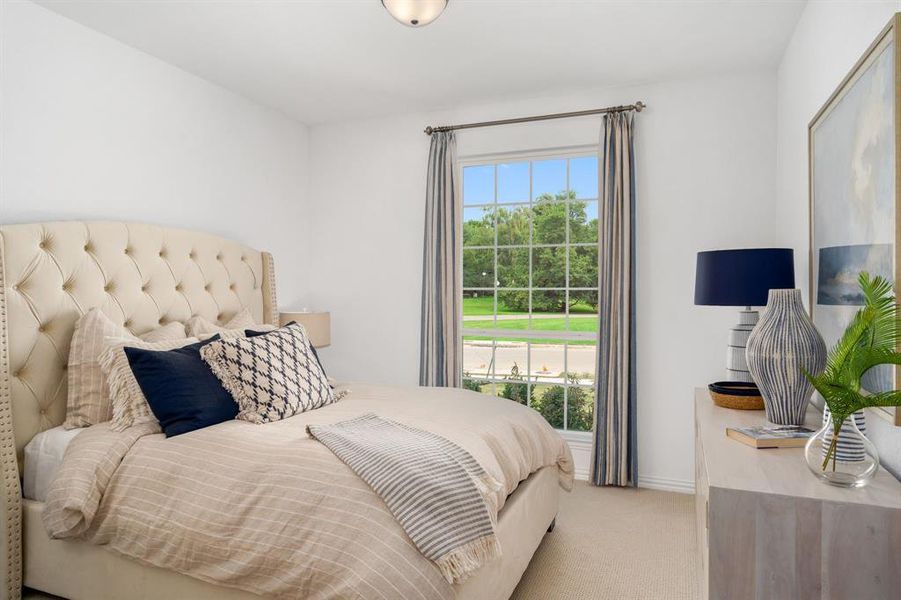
(272, 376)
(88, 400)
(129, 405)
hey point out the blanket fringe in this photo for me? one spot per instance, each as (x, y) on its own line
(491, 490)
(458, 564)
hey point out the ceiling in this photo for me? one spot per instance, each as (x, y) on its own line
(324, 60)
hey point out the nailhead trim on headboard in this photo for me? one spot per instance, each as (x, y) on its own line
(12, 497)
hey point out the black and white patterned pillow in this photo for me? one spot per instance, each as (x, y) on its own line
(271, 376)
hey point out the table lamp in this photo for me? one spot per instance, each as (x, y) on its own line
(318, 325)
(742, 277)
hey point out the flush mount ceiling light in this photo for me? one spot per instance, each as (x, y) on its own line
(415, 13)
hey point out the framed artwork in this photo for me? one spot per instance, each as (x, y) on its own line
(854, 157)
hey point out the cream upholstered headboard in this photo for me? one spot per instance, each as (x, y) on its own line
(140, 275)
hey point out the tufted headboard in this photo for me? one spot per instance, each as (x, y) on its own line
(140, 275)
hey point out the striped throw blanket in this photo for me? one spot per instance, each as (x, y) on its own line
(439, 494)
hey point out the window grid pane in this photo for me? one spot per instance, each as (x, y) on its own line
(553, 266)
(478, 184)
(513, 182)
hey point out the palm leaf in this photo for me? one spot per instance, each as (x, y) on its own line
(876, 325)
(878, 296)
(856, 334)
(866, 358)
(892, 398)
(871, 339)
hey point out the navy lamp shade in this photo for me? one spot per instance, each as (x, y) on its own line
(742, 277)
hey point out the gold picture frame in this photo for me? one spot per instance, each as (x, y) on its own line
(854, 176)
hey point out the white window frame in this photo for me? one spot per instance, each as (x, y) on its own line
(567, 152)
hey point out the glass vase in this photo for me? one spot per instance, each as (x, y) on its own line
(848, 459)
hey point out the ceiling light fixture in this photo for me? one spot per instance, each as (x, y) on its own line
(415, 13)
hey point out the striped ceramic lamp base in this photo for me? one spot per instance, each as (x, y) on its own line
(736, 363)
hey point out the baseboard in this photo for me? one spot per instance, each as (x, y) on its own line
(652, 483)
(666, 484)
(581, 450)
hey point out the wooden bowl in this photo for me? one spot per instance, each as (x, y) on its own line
(740, 395)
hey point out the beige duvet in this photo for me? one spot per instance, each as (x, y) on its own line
(267, 509)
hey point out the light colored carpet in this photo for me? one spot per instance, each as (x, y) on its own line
(613, 543)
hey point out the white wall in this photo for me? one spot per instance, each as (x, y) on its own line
(829, 39)
(706, 179)
(93, 129)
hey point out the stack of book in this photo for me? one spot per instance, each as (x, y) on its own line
(771, 436)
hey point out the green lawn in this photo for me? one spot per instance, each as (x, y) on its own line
(589, 324)
(484, 305)
(578, 324)
(488, 338)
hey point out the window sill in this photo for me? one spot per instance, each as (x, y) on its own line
(575, 437)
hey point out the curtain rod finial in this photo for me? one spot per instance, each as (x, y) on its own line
(428, 130)
(639, 106)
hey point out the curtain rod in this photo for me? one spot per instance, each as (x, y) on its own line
(637, 107)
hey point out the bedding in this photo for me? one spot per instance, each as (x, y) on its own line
(43, 457)
(270, 510)
(272, 376)
(88, 401)
(180, 389)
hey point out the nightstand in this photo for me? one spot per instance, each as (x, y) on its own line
(767, 528)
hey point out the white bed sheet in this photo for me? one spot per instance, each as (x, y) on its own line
(43, 457)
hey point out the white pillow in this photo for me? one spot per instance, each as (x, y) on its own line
(203, 328)
(43, 457)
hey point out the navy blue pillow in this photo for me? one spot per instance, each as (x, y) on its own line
(180, 388)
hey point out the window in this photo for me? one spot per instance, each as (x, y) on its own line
(530, 283)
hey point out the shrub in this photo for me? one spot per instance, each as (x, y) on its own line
(581, 409)
(550, 405)
(581, 406)
(513, 390)
(474, 385)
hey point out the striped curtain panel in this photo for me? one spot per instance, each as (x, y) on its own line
(614, 458)
(440, 354)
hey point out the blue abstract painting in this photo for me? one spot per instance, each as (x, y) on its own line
(852, 148)
(840, 267)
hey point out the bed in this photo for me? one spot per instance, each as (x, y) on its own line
(144, 276)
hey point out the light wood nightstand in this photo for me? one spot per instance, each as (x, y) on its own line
(768, 529)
